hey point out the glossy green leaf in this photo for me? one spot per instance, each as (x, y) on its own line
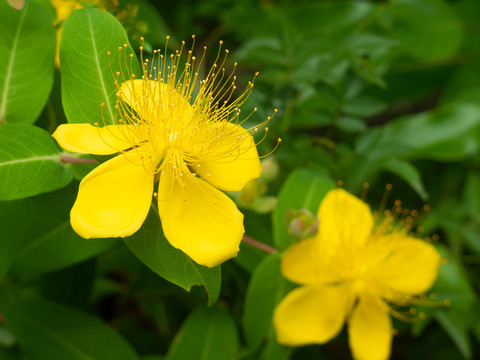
(49, 242)
(30, 162)
(153, 249)
(27, 49)
(303, 189)
(265, 290)
(46, 331)
(87, 78)
(207, 334)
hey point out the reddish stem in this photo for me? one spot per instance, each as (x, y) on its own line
(259, 245)
(78, 160)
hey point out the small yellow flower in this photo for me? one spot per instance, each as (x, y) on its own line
(186, 135)
(356, 271)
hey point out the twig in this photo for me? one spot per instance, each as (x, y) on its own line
(259, 245)
(78, 160)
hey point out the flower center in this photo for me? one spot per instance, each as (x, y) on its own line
(172, 115)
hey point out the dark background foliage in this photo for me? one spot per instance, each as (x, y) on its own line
(367, 92)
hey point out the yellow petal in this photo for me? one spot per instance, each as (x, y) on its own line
(303, 263)
(300, 262)
(310, 314)
(410, 266)
(370, 331)
(155, 101)
(64, 8)
(57, 48)
(346, 223)
(114, 199)
(229, 157)
(199, 219)
(89, 139)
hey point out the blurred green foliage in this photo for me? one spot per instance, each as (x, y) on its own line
(366, 92)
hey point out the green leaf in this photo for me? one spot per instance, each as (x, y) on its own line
(71, 285)
(329, 17)
(154, 25)
(49, 242)
(152, 357)
(364, 106)
(11, 232)
(471, 194)
(427, 29)
(303, 189)
(87, 79)
(258, 227)
(457, 332)
(6, 354)
(409, 173)
(27, 50)
(30, 162)
(366, 69)
(6, 338)
(207, 334)
(267, 287)
(153, 249)
(350, 124)
(47, 331)
(453, 285)
(273, 350)
(414, 136)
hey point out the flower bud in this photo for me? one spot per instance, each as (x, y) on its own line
(270, 169)
(301, 223)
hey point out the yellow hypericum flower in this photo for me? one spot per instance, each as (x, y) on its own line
(186, 135)
(356, 269)
(63, 8)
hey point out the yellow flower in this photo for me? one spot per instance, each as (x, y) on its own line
(356, 271)
(186, 135)
(63, 8)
